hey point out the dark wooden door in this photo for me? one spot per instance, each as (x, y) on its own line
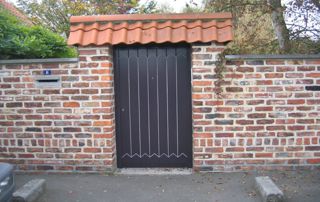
(153, 105)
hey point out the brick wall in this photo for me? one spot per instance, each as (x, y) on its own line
(59, 129)
(264, 117)
(263, 114)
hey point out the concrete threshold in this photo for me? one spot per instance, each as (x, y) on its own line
(154, 171)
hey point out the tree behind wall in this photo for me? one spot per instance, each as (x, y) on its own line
(19, 41)
(55, 14)
(260, 27)
(279, 25)
(253, 32)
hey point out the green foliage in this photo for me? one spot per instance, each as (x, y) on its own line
(146, 8)
(20, 41)
(305, 45)
(253, 27)
(55, 14)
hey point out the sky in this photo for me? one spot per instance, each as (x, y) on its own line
(177, 5)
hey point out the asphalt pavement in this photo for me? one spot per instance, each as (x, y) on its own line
(214, 187)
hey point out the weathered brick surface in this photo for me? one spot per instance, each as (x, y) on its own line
(59, 129)
(264, 118)
(264, 114)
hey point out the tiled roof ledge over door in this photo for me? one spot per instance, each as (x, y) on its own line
(150, 28)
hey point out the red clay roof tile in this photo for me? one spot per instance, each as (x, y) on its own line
(154, 28)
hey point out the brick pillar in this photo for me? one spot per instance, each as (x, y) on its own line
(204, 100)
(101, 109)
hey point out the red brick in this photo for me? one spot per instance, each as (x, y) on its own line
(224, 109)
(313, 102)
(245, 69)
(254, 128)
(100, 71)
(71, 104)
(218, 135)
(253, 76)
(64, 168)
(79, 71)
(202, 135)
(234, 149)
(214, 150)
(89, 91)
(285, 69)
(306, 68)
(303, 95)
(294, 75)
(275, 62)
(313, 62)
(244, 122)
(92, 150)
(100, 58)
(304, 81)
(264, 108)
(273, 75)
(101, 84)
(265, 69)
(103, 135)
(103, 123)
(234, 89)
(80, 85)
(312, 148)
(106, 78)
(265, 121)
(72, 129)
(50, 92)
(72, 150)
(313, 75)
(296, 102)
(43, 123)
(233, 76)
(264, 155)
(202, 83)
(202, 96)
(202, 123)
(274, 89)
(313, 161)
(254, 149)
(70, 91)
(106, 64)
(257, 115)
(11, 79)
(87, 52)
(89, 64)
(14, 117)
(25, 156)
(295, 128)
(32, 104)
(264, 82)
(83, 156)
(14, 104)
(235, 62)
